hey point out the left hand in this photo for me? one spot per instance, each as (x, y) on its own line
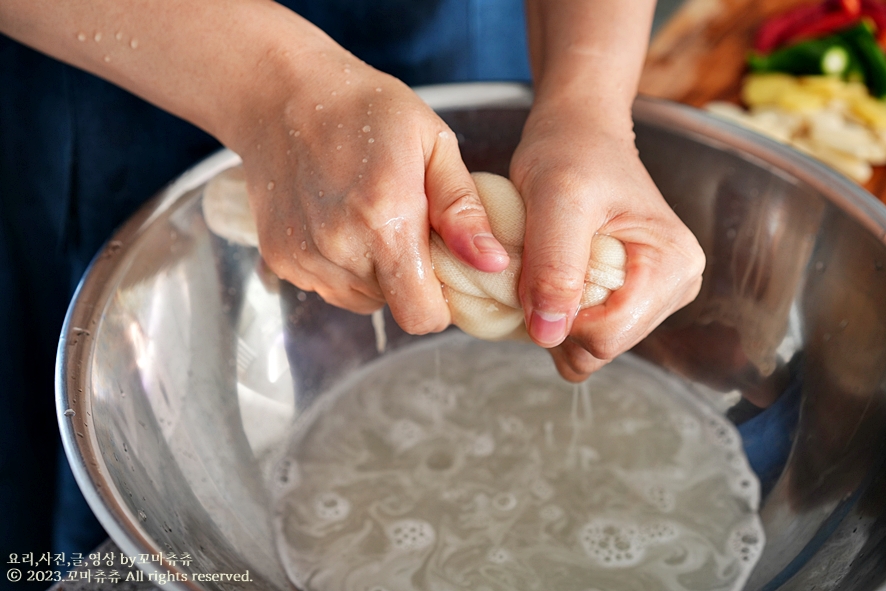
(579, 174)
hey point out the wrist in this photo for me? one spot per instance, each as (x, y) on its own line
(583, 109)
(272, 85)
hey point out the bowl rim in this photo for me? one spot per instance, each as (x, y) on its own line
(76, 347)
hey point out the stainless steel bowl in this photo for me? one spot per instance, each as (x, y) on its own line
(183, 362)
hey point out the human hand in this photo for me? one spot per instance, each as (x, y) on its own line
(580, 174)
(345, 182)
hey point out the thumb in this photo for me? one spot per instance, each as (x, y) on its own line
(556, 251)
(455, 210)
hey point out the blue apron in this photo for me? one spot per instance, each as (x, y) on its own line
(79, 155)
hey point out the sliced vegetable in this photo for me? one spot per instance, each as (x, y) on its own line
(765, 89)
(869, 110)
(830, 56)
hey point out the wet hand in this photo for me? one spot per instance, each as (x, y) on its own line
(346, 179)
(580, 176)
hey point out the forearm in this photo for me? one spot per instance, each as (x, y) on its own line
(214, 63)
(589, 51)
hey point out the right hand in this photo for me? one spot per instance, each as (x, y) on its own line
(347, 177)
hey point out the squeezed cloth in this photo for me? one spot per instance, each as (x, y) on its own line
(484, 305)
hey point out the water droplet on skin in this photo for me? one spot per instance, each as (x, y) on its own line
(134, 43)
(320, 193)
(359, 176)
(368, 255)
(318, 108)
(81, 36)
(107, 58)
(393, 291)
(366, 129)
(338, 147)
(271, 186)
(289, 231)
(369, 112)
(118, 36)
(98, 37)
(365, 160)
(340, 125)
(288, 152)
(444, 134)
(304, 245)
(334, 93)
(371, 140)
(378, 89)
(322, 224)
(398, 274)
(297, 133)
(347, 70)
(294, 256)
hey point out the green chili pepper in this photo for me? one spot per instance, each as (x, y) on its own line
(830, 56)
(861, 40)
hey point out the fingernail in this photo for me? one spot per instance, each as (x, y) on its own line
(547, 328)
(487, 244)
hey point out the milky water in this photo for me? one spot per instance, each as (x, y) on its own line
(465, 465)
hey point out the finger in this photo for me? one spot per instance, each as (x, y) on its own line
(653, 290)
(574, 362)
(559, 230)
(337, 286)
(406, 277)
(456, 212)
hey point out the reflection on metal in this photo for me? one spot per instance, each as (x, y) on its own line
(185, 362)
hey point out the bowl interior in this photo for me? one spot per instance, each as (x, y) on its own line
(185, 362)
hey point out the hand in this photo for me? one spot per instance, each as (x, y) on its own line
(580, 174)
(344, 181)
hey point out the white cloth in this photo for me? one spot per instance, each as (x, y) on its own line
(485, 305)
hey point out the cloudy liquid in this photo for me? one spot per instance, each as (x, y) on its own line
(465, 465)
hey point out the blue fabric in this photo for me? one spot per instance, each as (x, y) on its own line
(768, 437)
(78, 156)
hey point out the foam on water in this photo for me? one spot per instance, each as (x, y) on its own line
(465, 465)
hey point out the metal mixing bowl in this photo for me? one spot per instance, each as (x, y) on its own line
(182, 362)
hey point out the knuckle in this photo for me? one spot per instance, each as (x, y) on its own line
(553, 282)
(421, 321)
(378, 210)
(465, 204)
(605, 349)
(338, 246)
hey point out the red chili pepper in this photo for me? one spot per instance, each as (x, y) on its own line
(826, 25)
(851, 7)
(774, 31)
